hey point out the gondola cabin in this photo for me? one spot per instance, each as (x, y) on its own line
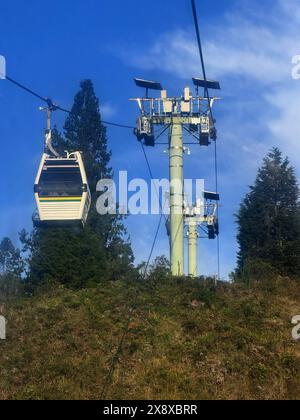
(61, 191)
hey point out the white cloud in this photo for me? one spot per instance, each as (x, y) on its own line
(247, 51)
(285, 125)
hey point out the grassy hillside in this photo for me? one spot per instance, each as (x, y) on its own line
(186, 341)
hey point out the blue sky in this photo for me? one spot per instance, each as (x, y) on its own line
(248, 46)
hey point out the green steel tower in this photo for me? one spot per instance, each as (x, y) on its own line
(178, 114)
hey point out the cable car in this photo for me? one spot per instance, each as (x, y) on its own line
(61, 191)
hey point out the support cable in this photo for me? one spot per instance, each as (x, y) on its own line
(197, 29)
(54, 106)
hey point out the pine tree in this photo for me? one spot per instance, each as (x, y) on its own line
(82, 258)
(84, 131)
(269, 218)
(69, 257)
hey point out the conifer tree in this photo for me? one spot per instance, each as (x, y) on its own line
(269, 218)
(84, 131)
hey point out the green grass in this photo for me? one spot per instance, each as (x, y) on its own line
(185, 341)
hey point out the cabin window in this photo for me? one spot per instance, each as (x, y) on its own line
(60, 182)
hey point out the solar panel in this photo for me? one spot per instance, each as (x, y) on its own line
(208, 84)
(147, 84)
(211, 196)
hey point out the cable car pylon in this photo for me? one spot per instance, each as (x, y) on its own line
(193, 114)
